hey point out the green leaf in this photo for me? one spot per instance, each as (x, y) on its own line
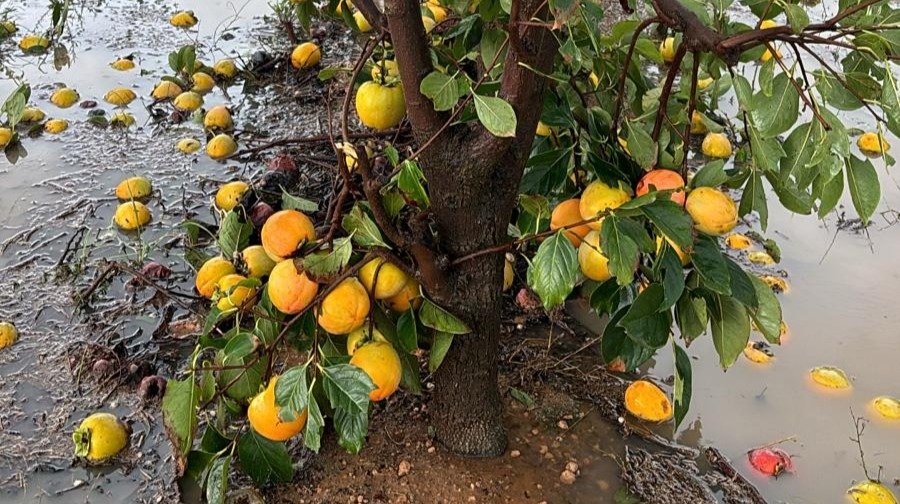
(347, 387)
(15, 104)
(711, 175)
(644, 322)
(407, 333)
(554, 270)
(710, 264)
(692, 317)
(291, 202)
(321, 264)
(496, 115)
(263, 460)
(797, 17)
(442, 89)
(682, 390)
(865, 190)
(292, 393)
(217, 481)
(672, 220)
(641, 146)
(234, 234)
(179, 407)
(352, 427)
(672, 273)
(439, 319)
(741, 288)
(754, 199)
(775, 114)
(362, 228)
(409, 365)
(767, 314)
(831, 195)
(620, 248)
(730, 328)
(409, 180)
(315, 424)
(439, 348)
(523, 397)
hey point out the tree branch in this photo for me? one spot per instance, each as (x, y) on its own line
(371, 12)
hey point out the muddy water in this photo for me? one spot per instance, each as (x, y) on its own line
(840, 307)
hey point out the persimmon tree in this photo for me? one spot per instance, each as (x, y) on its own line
(473, 183)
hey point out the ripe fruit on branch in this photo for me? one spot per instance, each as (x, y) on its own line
(390, 279)
(380, 107)
(233, 296)
(263, 415)
(361, 337)
(229, 195)
(290, 291)
(257, 262)
(872, 144)
(166, 90)
(218, 118)
(593, 263)
(716, 145)
(345, 308)
(380, 361)
(408, 297)
(662, 180)
(305, 55)
(599, 197)
(565, 214)
(210, 273)
(283, 233)
(713, 211)
(183, 19)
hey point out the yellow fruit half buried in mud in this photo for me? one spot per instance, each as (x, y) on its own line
(775, 283)
(830, 377)
(34, 44)
(203, 82)
(225, 68)
(409, 297)
(134, 188)
(713, 211)
(7, 28)
(667, 49)
(210, 273)
(188, 145)
(258, 263)
(64, 97)
(119, 96)
(598, 198)
(188, 101)
(716, 145)
(264, 416)
(183, 19)
(221, 146)
(646, 401)
(6, 135)
(132, 215)
(345, 308)
(305, 55)
(121, 118)
(888, 407)
(361, 22)
(360, 337)
(56, 126)
(32, 115)
(8, 334)
(380, 361)
(593, 263)
(218, 118)
(737, 241)
(380, 107)
(758, 352)
(390, 70)
(872, 143)
(229, 195)
(760, 257)
(232, 295)
(290, 291)
(698, 127)
(100, 436)
(871, 492)
(123, 64)
(390, 279)
(509, 272)
(283, 233)
(166, 90)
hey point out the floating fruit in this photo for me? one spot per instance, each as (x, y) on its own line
(738, 241)
(760, 257)
(188, 145)
(305, 55)
(345, 308)
(218, 118)
(265, 416)
(229, 195)
(648, 402)
(770, 461)
(830, 377)
(712, 211)
(225, 68)
(132, 215)
(100, 437)
(567, 213)
(188, 101)
(380, 361)
(221, 146)
(775, 283)
(121, 118)
(387, 278)
(7, 28)
(284, 232)
(6, 135)
(8, 334)
(258, 263)
(360, 337)
(210, 273)
(871, 492)
(667, 49)
(598, 198)
(380, 107)
(166, 90)
(872, 143)
(56, 126)
(593, 263)
(409, 297)
(123, 64)
(888, 407)
(662, 180)
(34, 44)
(64, 97)
(120, 96)
(716, 145)
(203, 82)
(134, 188)
(758, 352)
(290, 290)
(32, 115)
(234, 294)
(183, 19)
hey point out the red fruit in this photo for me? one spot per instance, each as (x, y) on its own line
(260, 213)
(662, 180)
(770, 461)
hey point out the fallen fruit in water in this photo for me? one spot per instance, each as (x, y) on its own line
(225, 68)
(360, 337)
(290, 290)
(598, 198)
(166, 90)
(871, 492)
(233, 295)
(389, 281)
(123, 64)
(210, 273)
(134, 188)
(188, 145)
(218, 118)
(662, 180)
(100, 436)
(7, 28)
(183, 19)
(380, 361)
(203, 82)
(121, 118)
(305, 55)
(830, 377)
(8, 334)
(648, 402)
(34, 44)
(888, 407)
(188, 101)
(716, 145)
(64, 97)
(380, 107)
(737, 241)
(770, 461)
(712, 211)
(221, 146)
(152, 387)
(758, 352)
(345, 308)
(56, 126)
(265, 416)
(593, 263)
(775, 283)
(284, 232)
(873, 143)
(32, 115)
(229, 195)
(409, 297)
(6, 135)
(567, 213)
(667, 49)
(258, 263)
(120, 96)
(760, 257)
(132, 215)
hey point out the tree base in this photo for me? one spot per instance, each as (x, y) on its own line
(476, 440)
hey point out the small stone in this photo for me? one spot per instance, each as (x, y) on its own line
(431, 449)
(572, 466)
(544, 449)
(567, 477)
(562, 424)
(404, 468)
(515, 453)
(534, 431)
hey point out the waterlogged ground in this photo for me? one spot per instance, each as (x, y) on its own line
(55, 210)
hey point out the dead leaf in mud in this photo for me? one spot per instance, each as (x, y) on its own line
(771, 461)
(282, 162)
(181, 329)
(152, 270)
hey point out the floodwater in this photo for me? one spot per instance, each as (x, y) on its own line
(840, 308)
